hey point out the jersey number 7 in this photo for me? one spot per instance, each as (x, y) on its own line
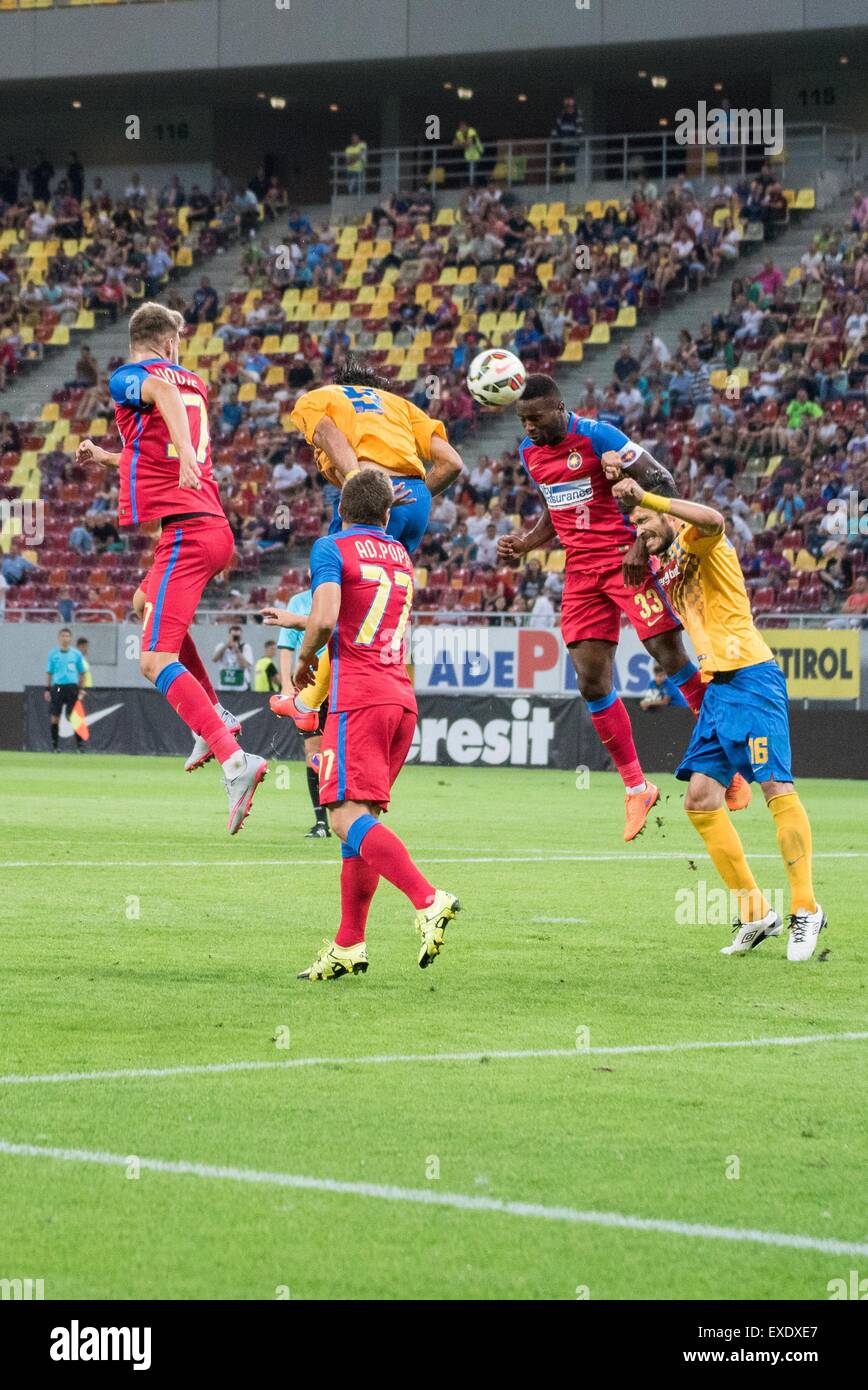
(194, 402)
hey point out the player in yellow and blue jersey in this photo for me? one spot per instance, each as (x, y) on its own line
(743, 723)
(358, 422)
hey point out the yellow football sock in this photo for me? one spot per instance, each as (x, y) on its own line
(725, 849)
(795, 844)
(313, 695)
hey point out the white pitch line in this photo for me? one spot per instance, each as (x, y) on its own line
(580, 921)
(454, 1200)
(625, 858)
(291, 1063)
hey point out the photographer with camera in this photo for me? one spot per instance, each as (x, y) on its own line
(236, 661)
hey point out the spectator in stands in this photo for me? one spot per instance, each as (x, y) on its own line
(567, 131)
(16, 568)
(626, 365)
(486, 547)
(356, 159)
(288, 478)
(158, 263)
(205, 304)
(467, 140)
(41, 175)
(857, 600)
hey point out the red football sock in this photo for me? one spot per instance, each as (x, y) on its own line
(693, 690)
(616, 735)
(388, 855)
(189, 657)
(187, 697)
(358, 886)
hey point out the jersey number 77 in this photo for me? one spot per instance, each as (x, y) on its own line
(374, 616)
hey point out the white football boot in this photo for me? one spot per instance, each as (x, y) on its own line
(240, 790)
(201, 753)
(804, 929)
(750, 934)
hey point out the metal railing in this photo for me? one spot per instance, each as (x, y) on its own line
(560, 165)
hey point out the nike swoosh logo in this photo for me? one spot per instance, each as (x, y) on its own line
(66, 729)
(248, 714)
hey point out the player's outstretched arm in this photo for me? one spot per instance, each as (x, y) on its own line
(167, 400)
(88, 452)
(320, 625)
(281, 617)
(630, 492)
(337, 448)
(446, 465)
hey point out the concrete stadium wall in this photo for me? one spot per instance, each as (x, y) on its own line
(201, 35)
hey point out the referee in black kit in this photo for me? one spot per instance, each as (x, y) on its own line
(65, 671)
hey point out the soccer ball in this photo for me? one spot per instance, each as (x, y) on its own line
(496, 377)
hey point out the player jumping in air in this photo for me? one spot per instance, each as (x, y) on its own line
(161, 411)
(362, 582)
(743, 725)
(573, 461)
(359, 423)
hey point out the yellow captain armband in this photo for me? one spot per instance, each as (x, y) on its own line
(352, 473)
(655, 503)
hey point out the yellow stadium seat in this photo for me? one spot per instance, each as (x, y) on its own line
(806, 200)
(467, 275)
(289, 342)
(537, 214)
(383, 341)
(408, 372)
(599, 334)
(382, 248)
(274, 376)
(85, 320)
(184, 256)
(555, 561)
(488, 323)
(339, 311)
(538, 554)
(271, 343)
(794, 274)
(789, 196)
(573, 352)
(718, 378)
(594, 207)
(50, 411)
(98, 426)
(448, 275)
(60, 336)
(395, 357)
(247, 391)
(504, 275)
(445, 218)
(213, 347)
(423, 293)
(556, 211)
(626, 316)
(423, 338)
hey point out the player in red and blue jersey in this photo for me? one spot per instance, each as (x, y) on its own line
(362, 582)
(161, 410)
(575, 461)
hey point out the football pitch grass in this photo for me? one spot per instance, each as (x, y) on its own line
(346, 1160)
